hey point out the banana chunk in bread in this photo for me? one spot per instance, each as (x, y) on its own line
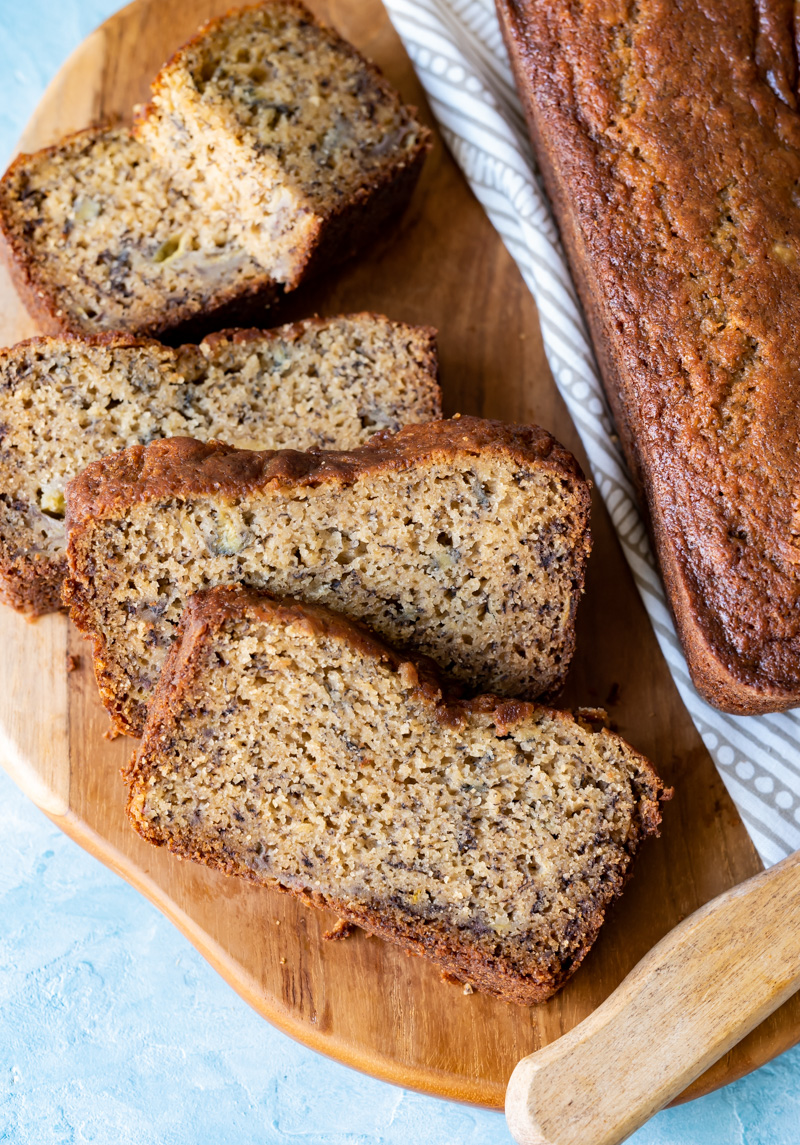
(100, 239)
(277, 120)
(464, 540)
(66, 402)
(288, 746)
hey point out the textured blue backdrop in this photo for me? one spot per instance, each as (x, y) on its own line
(114, 1031)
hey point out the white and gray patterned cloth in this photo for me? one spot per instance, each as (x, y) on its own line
(458, 52)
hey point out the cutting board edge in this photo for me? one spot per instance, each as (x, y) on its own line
(433, 1083)
(486, 1095)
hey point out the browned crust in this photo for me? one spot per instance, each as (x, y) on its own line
(181, 467)
(369, 214)
(32, 586)
(449, 948)
(22, 271)
(442, 946)
(721, 676)
(207, 611)
(110, 339)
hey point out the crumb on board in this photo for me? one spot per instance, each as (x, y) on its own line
(73, 662)
(341, 929)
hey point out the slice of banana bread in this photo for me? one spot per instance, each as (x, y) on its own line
(66, 402)
(464, 540)
(320, 383)
(289, 746)
(98, 238)
(279, 121)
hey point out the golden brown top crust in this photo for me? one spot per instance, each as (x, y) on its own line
(111, 339)
(182, 467)
(671, 139)
(209, 610)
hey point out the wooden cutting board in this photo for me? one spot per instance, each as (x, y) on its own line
(363, 1001)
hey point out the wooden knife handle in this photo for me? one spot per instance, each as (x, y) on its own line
(699, 991)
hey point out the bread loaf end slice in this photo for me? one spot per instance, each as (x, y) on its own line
(98, 238)
(290, 747)
(275, 119)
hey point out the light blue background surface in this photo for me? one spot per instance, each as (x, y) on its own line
(113, 1030)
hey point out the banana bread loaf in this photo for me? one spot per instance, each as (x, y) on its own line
(290, 747)
(97, 238)
(66, 402)
(669, 138)
(280, 122)
(463, 539)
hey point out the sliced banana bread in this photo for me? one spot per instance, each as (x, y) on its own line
(278, 120)
(98, 238)
(323, 382)
(66, 402)
(287, 745)
(464, 539)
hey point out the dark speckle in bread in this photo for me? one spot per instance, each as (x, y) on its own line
(67, 401)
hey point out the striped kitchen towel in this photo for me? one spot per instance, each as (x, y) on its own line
(458, 52)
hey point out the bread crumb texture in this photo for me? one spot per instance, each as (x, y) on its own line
(287, 746)
(465, 540)
(104, 240)
(66, 402)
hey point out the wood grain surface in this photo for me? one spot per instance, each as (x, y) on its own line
(361, 1000)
